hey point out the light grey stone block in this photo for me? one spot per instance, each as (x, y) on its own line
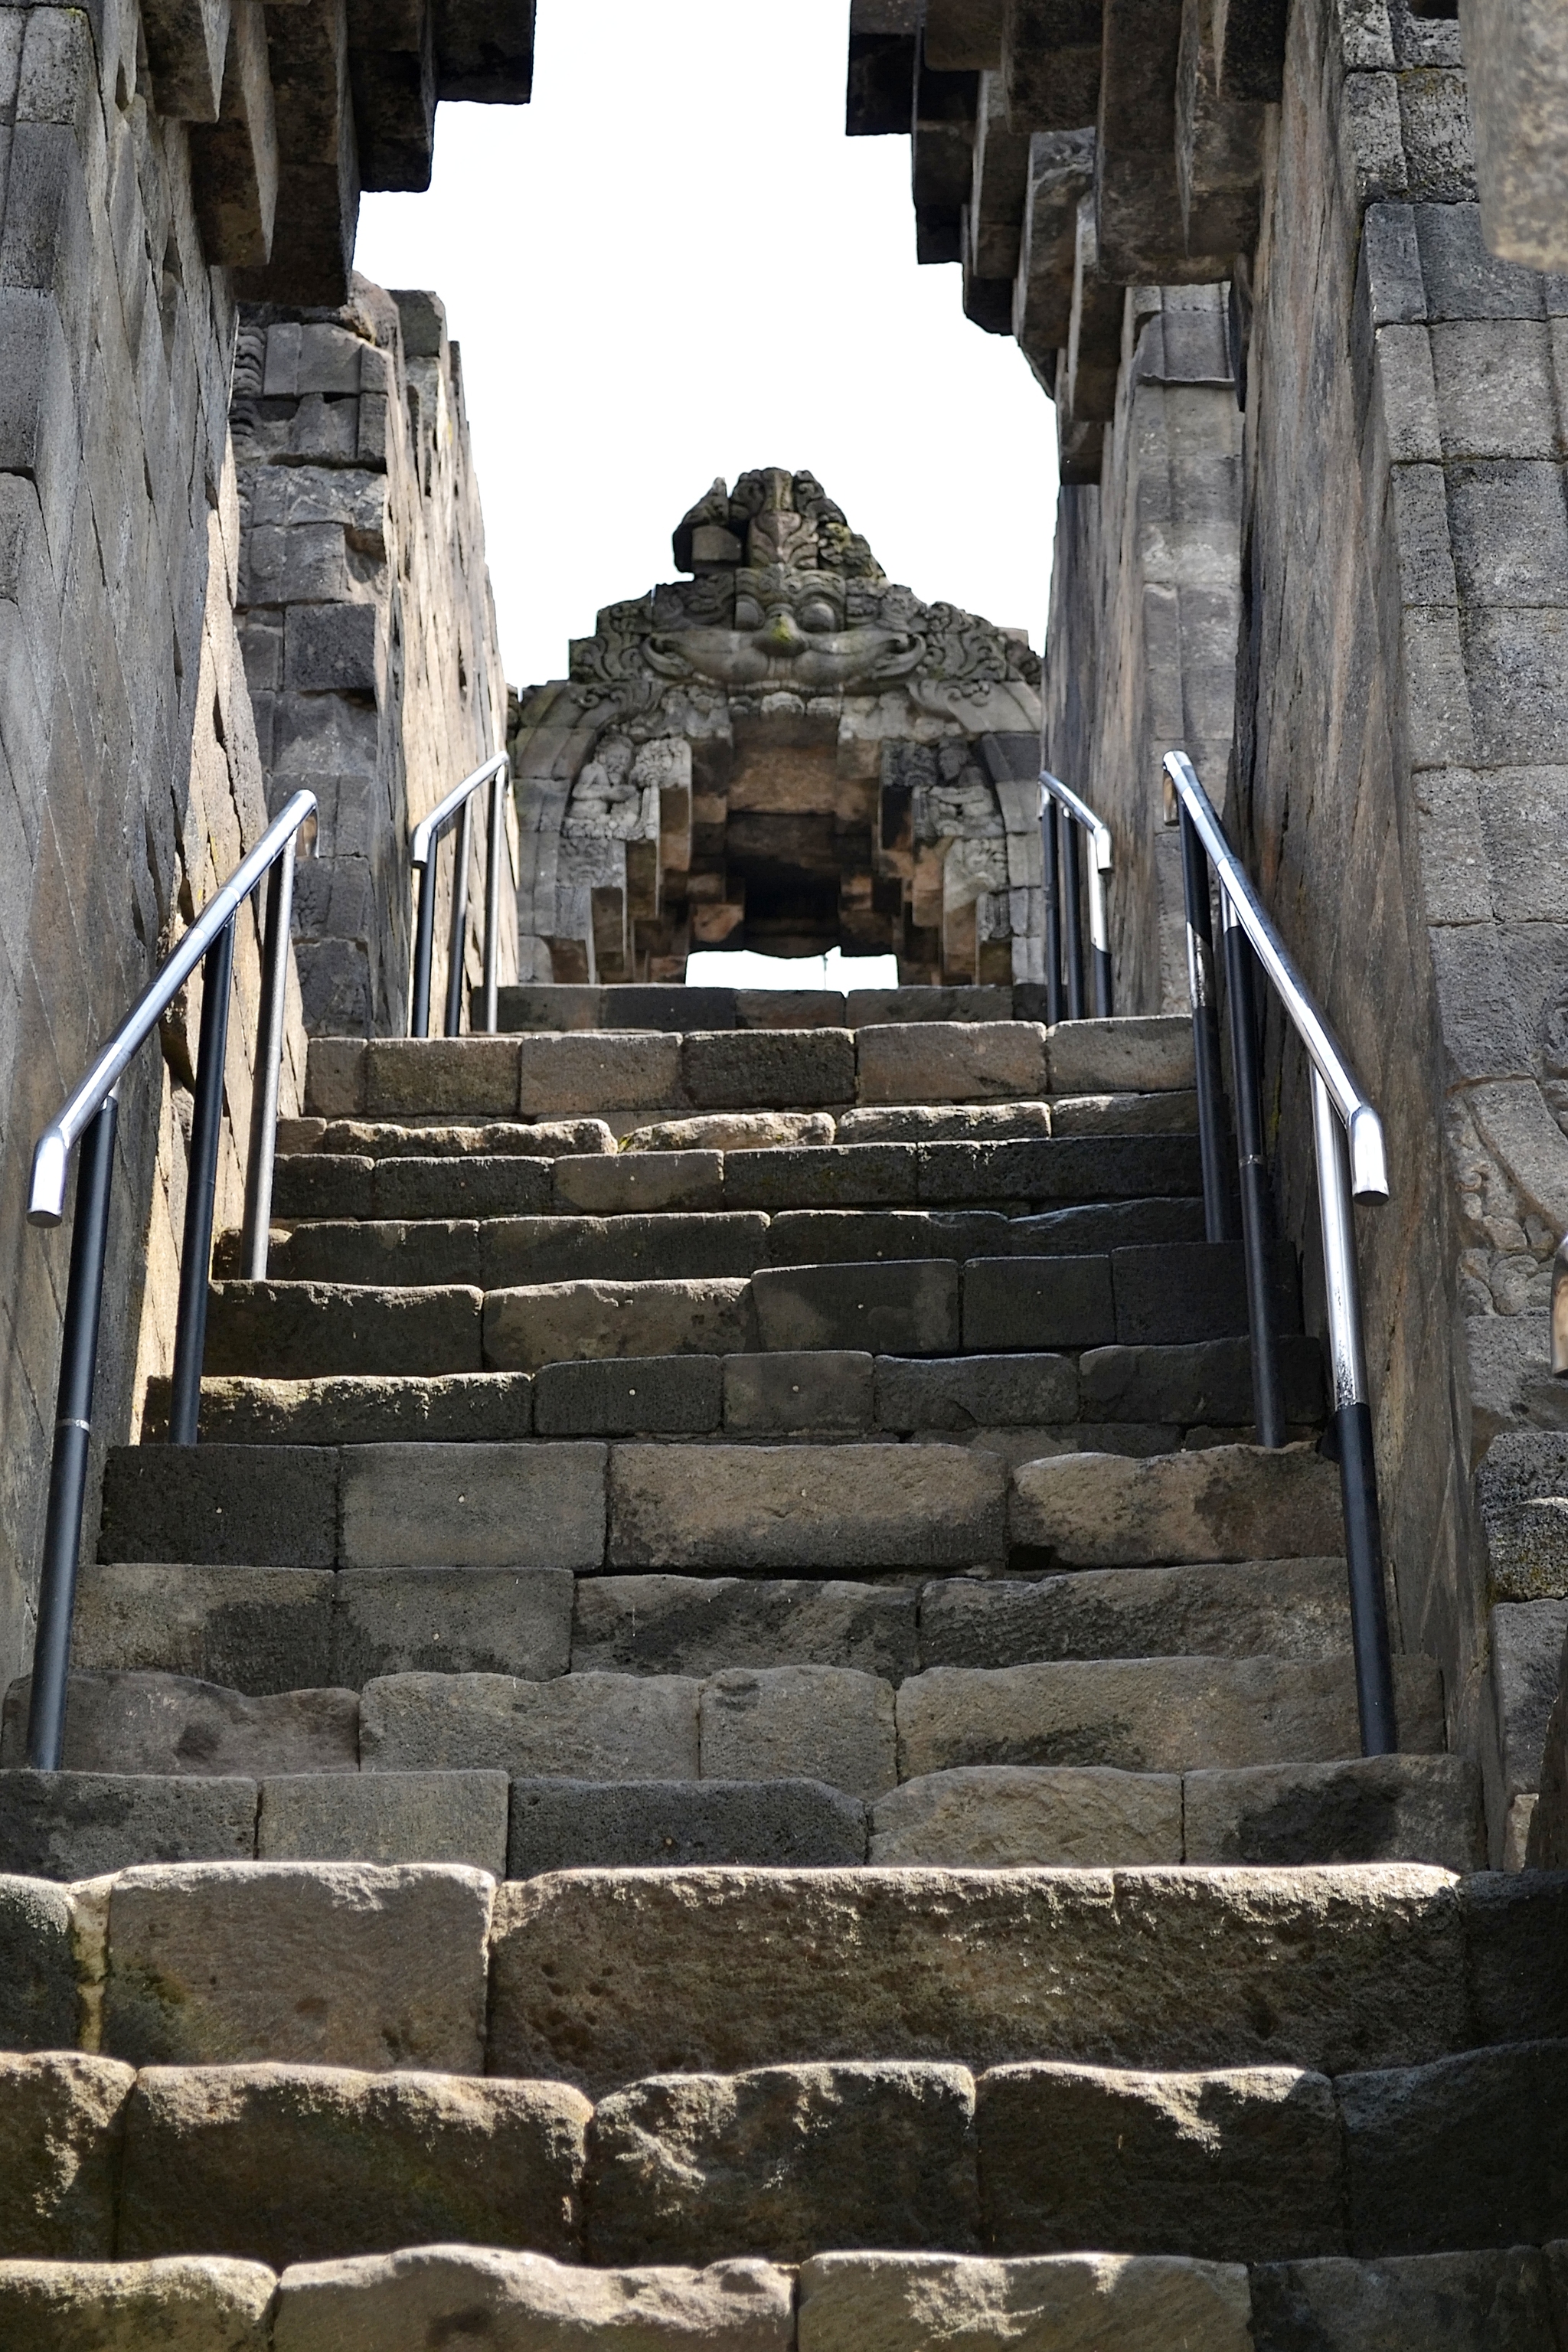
(473, 1505)
(828, 1723)
(937, 1062)
(1527, 1642)
(584, 1074)
(141, 1722)
(1020, 1816)
(556, 1322)
(563, 1824)
(785, 2159)
(398, 1621)
(1141, 1054)
(70, 1825)
(382, 1816)
(891, 2303)
(1281, 1609)
(327, 1963)
(613, 1186)
(466, 1077)
(978, 1122)
(582, 1727)
(1229, 1502)
(188, 2304)
(61, 2121)
(251, 1629)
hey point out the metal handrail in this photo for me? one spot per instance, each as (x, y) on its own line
(1063, 920)
(89, 1115)
(1352, 1164)
(423, 844)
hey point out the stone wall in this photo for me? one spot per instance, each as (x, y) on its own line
(368, 628)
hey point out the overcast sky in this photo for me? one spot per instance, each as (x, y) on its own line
(674, 265)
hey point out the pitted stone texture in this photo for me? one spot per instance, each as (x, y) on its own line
(951, 1062)
(188, 2305)
(628, 1182)
(560, 1824)
(1006, 1817)
(759, 1131)
(583, 1075)
(249, 1629)
(68, 1825)
(977, 1122)
(1471, 2150)
(1143, 1054)
(1147, 1714)
(1228, 1502)
(365, 1409)
(1206, 1381)
(582, 1727)
(1175, 1113)
(340, 1964)
(633, 1396)
(1279, 1607)
(235, 1506)
(455, 1620)
(308, 1329)
(526, 2303)
(62, 2123)
(1370, 1809)
(468, 1077)
(168, 1723)
(1471, 2302)
(786, 2160)
(385, 1817)
(1062, 2303)
(807, 1508)
(536, 1139)
(795, 1722)
(1224, 2165)
(767, 1070)
(473, 1505)
(722, 1970)
(827, 1388)
(976, 1391)
(299, 2164)
(907, 1308)
(700, 1624)
(556, 1322)
(41, 1975)
(1527, 1645)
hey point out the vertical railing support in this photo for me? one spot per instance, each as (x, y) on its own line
(268, 1069)
(1072, 895)
(457, 935)
(1051, 836)
(201, 1186)
(1257, 1206)
(495, 847)
(1099, 935)
(1206, 1034)
(1352, 1426)
(73, 1431)
(424, 948)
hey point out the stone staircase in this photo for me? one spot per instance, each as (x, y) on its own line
(725, 1741)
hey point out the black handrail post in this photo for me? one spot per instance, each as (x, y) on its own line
(459, 939)
(1050, 834)
(1257, 1220)
(424, 948)
(1205, 1033)
(1353, 1435)
(201, 1186)
(1073, 894)
(495, 845)
(73, 1419)
(269, 1065)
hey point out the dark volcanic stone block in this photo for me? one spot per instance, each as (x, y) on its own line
(39, 1998)
(1516, 1932)
(822, 1176)
(548, 1005)
(678, 1245)
(976, 1392)
(702, 1624)
(1207, 1384)
(1064, 1169)
(257, 1505)
(291, 1330)
(815, 1388)
(634, 1005)
(837, 1236)
(1470, 2151)
(502, 1184)
(1283, 1608)
(249, 1629)
(630, 1396)
(1472, 2301)
(593, 1824)
(886, 1307)
(768, 1070)
(1108, 1225)
(1366, 1809)
(323, 1184)
(1180, 1292)
(454, 1621)
(70, 1825)
(1038, 1302)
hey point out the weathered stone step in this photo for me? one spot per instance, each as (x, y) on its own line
(1472, 2301)
(837, 1724)
(927, 1304)
(802, 1509)
(267, 1629)
(550, 1005)
(601, 1977)
(1140, 1399)
(274, 2163)
(588, 1073)
(82, 1825)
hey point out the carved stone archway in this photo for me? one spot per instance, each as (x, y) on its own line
(783, 751)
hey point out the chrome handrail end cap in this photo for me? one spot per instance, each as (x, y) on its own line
(47, 1199)
(1369, 1159)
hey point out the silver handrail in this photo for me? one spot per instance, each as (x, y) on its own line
(89, 1115)
(1064, 924)
(423, 844)
(1351, 1162)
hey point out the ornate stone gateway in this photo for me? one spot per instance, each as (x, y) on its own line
(783, 751)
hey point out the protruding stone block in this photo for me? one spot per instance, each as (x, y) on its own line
(68, 1825)
(1227, 1502)
(61, 2122)
(805, 1508)
(557, 1322)
(188, 2303)
(1018, 1816)
(150, 1723)
(1069, 2303)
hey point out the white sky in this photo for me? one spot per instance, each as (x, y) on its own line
(673, 265)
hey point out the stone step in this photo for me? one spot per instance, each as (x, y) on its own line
(588, 1073)
(1141, 1400)
(921, 1306)
(804, 1720)
(261, 1631)
(600, 1977)
(806, 1509)
(83, 1824)
(1487, 2300)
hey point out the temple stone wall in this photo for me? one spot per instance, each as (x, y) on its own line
(368, 628)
